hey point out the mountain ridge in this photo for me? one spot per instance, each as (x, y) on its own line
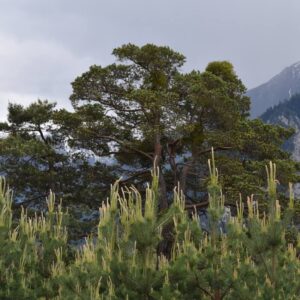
(280, 87)
(287, 114)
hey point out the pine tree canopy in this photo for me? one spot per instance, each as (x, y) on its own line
(139, 112)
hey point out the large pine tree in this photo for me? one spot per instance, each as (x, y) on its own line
(170, 119)
(143, 111)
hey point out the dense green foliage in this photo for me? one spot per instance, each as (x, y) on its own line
(253, 260)
(35, 157)
(139, 112)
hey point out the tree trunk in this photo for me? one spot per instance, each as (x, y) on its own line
(163, 203)
(185, 171)
(217, 295)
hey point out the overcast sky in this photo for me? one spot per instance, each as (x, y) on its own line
(45, 44)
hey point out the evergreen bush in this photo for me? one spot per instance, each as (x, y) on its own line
(252, 260)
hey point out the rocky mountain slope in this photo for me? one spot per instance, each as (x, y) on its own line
(280, 87)
(287, 114)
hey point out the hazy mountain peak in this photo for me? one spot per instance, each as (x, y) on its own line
(280, 87)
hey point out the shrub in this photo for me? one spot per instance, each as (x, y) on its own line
(252, 260)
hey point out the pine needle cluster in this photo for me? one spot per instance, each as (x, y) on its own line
(251, 260)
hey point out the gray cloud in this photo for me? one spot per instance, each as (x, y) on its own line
(44, 45)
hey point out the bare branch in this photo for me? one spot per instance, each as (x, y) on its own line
(126, 145)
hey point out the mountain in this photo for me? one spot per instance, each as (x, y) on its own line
(287, 114)
(280, 87)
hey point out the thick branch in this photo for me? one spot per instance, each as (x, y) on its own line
(134, 176)
(126, 146)
(26, 202)
(215, 149)
(197, 205)
(41, 134)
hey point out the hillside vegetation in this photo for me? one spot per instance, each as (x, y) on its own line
(286, 109)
